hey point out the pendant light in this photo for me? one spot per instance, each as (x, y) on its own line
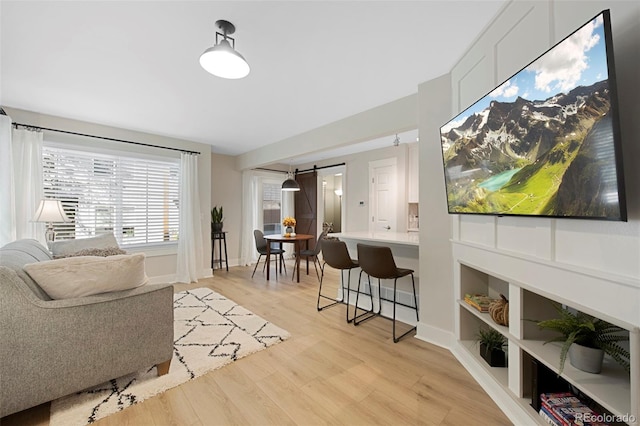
(222, 60)
(290, 184)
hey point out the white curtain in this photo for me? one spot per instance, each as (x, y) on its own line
(250, 210)
(190, 247)
(26, 182)
(7, 218)
(288, 205)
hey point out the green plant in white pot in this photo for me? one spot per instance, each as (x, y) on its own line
(586, 339)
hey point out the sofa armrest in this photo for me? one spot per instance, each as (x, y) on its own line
(52, 348)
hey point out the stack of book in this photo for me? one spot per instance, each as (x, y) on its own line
(479, 301)
(565, 409)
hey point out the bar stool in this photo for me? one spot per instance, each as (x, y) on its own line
(378, 262)
(336, 255)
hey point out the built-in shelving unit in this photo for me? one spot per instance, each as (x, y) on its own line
(614, 388)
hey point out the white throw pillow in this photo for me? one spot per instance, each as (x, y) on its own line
(86, 275)
(67, 247)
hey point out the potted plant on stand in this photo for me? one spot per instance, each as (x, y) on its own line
(586, 339)
(216, 219)
(492, 347)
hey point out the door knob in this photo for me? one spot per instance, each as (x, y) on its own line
(387, 227)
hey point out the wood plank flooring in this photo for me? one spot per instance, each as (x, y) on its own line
(328, 372)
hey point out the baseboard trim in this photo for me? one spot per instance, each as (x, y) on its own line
(500, 395)
(435, 336)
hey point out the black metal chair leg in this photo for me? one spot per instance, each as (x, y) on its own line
(348, 293)
(415, 297)
(315, 261)
(320, 295)
(397, 339)
(366, 315)
(395, 284)
(256, 267)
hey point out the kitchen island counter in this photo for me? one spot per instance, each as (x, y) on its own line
(401, 238)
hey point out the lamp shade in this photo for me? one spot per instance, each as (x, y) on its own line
(290, 185)
(224, 61)
(50, 211)
(338, 192)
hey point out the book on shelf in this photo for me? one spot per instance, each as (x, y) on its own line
(565, 409)
(548, 417)
(560, 399)
(479, 301)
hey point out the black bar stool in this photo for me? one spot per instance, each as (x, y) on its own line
(336, 255)
(378, 262)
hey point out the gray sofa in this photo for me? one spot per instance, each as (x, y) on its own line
(51, 348)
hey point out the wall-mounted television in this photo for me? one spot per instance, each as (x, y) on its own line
(545, 142)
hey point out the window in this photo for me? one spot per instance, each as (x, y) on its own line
(136, 199)
(271, 205)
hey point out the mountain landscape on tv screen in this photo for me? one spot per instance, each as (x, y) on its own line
(552, 157)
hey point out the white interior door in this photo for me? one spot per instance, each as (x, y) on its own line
(383, 195)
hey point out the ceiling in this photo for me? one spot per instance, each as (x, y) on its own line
(134, 64)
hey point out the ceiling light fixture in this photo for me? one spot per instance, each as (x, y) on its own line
(290, 184)
(222, 60)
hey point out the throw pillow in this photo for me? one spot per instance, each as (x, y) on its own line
(104, 252)
(66, 247)
(88, 275)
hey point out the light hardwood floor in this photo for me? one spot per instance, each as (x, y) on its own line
(328, 372)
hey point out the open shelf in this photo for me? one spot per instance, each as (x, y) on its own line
(614, 389)
(484, 317)
(611, 388)
(501, 374)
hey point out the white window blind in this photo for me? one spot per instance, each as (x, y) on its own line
(136, 199)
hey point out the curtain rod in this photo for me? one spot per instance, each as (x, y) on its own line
(270, 170)
(29, 126)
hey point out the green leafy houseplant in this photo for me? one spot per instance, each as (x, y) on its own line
(491, 346)
(217, 217)
(582, 329)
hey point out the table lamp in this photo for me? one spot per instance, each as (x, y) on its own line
(50, 211)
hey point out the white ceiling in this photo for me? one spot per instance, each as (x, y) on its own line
(134, 64)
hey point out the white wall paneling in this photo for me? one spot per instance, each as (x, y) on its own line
(590, 265)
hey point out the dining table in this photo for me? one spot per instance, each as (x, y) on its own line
(296, 240)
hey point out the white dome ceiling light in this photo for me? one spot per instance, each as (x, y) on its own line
(222, 60)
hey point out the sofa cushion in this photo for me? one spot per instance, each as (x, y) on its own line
(65, 248)
(86, 275)
(104, 252)
(16, 254)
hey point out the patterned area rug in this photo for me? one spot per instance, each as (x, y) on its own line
(210, 331)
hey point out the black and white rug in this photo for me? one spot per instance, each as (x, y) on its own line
(210, 331)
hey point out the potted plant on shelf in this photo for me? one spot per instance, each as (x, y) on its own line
(216, 219)
(492, 347)
(586, 339)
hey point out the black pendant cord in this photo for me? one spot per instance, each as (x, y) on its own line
(29, 126)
